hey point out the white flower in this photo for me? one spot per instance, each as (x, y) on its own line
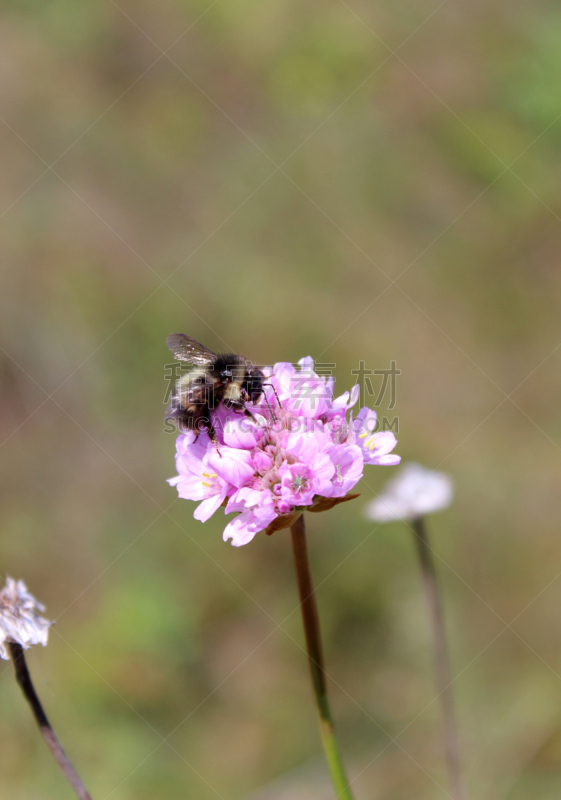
(414, 491)
(19, 620)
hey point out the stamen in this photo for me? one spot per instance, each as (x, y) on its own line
(371, 443)
(363, 434)
(208, 486)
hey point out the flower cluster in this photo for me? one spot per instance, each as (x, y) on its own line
(297, 451)
(414, 491)
(19, 620)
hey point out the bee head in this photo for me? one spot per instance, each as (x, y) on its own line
(254, 383)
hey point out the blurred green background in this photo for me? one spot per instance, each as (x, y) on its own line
(347, 180)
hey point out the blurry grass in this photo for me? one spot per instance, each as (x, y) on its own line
(157, 611)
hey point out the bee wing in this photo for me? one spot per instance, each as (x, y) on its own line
(184, 348)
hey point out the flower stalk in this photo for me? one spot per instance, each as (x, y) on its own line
(24, 680)
(310, 619)
(442, 660)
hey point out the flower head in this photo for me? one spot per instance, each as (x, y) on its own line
(297, 451)
(19, 621)
(414, 491)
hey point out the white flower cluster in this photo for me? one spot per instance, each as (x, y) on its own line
(19, 618)
(414, 491)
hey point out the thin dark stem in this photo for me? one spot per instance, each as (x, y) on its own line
(24, 680)
(309, 612)
(312, 632)
(442, 661)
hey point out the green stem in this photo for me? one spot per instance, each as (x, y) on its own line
(442, 660)
(315, 657)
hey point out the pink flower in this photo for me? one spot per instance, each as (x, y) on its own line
(375, 445)
(196, 479)
(297, 486)
(273, 465)
(349, 465)
(243, 528)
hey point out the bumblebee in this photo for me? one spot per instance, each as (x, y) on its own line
(212, 378)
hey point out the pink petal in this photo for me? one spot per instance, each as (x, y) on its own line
(206, 509)
(234, 466)
(242, 529)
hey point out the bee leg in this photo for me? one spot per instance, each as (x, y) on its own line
(275, 393)
(237, 407)
(245, 412)
(213, 437)
(241, 408)
(271, 412)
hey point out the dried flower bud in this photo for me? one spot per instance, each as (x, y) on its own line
(19, 618)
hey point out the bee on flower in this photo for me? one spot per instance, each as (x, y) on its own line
(300, 448)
